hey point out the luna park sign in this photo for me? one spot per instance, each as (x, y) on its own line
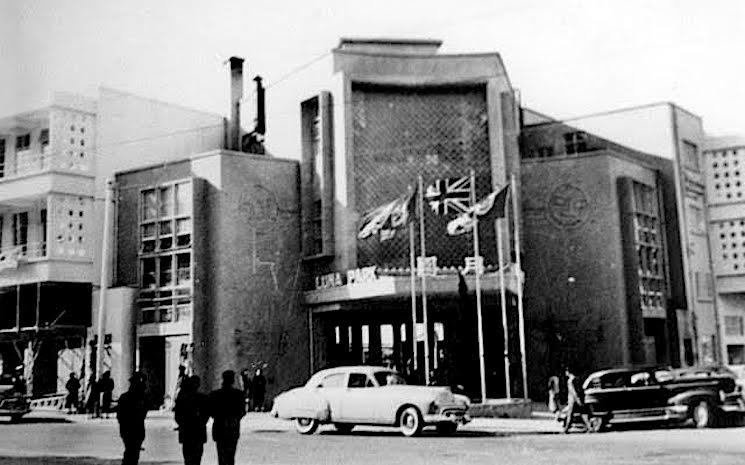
(351, 277)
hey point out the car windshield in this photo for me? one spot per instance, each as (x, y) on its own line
(388, 378)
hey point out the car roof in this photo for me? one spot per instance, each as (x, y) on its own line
(629, 370)
(345, 369)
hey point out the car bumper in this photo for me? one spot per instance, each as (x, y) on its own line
(458, 417)
(681, 412)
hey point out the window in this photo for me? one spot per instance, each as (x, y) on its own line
(704, 286)
(690, 155)
(641, 379)
(44, 140)
(20, 230)
(165, 254)
(736, 354)
(357, 380)
(2, 158)
(575, 142)
(733, 326)
(388, 378)
(23, 142)
(43, 227)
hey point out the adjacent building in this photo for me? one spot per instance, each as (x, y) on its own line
(724, 163)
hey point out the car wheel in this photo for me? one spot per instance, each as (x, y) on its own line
(306, 425)
(703, 414)
(410, 421)
(344, 428)
(447, 428)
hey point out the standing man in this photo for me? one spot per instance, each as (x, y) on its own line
(106, 386)
(131, 413)
(191, 414)
(226, 408)
(258, 390)
(73, 391)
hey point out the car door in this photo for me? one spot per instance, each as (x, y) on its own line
(357, 400)
(332, 388)
(608, 393)
(644, 394)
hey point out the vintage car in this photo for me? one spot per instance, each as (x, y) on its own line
(12, 403)
(370, 395)
(704, 395)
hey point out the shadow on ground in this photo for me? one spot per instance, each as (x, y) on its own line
(435, 435)
(36, 420)
(55, 460)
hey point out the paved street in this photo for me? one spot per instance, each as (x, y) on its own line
(53, 439)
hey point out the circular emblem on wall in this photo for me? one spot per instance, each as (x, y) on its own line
(259, 205)
(568, 206)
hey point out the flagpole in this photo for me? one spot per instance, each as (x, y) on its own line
(412, 284)
(519, 281)
(423, 276)
(482, 368)
(503, 303)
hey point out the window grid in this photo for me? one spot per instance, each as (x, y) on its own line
(728, 237)
(649, 248)
(726, 176)
(165, 253)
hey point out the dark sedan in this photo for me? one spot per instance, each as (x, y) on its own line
(624, 395)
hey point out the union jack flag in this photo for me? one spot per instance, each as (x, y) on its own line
(449, 195)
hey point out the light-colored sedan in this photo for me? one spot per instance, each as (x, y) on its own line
(370, 395)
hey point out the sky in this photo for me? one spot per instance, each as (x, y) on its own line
(568, 57)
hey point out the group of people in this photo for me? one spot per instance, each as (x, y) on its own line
(254, 389)
(570, 400)
(226, 406)
(99, 395)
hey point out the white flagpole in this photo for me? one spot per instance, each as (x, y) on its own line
(412, 283)
(482, 368)
(519, 281)
(423, 276)
(503, 303)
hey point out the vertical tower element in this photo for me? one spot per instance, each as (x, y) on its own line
(236, 95)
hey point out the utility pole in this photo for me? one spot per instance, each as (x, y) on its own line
(105, 272)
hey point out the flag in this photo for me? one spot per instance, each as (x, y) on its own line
(449, 195)
(493, 205)
(387, 218)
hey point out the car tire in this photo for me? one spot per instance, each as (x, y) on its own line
(306, 425)
(447, 428)
(344, 428)
(410, 421)
(703, 414)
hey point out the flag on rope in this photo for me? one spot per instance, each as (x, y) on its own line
(493, 205)
(387, 219)
(449, 195)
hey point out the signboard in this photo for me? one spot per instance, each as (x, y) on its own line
(351, 277)
(426, 266)
(474, 264)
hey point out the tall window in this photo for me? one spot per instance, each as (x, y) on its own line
(733, 326)
(44, 140)
(23, 142)
(20, 230)
(165, 252)
(690, 155)
(575, 142)
(648, 240)
(2, 158)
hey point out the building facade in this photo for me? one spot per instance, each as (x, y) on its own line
(723, 160)
(599, 253)
(392, 111)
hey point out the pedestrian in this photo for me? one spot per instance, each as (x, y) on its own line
(106, 386)
(258, 390)
(554, 390)
(246, 381)
(576, 401)
(93, 399)
(19, 381)
(192, 412)
(226, 408)
(177, 388)
(130, 413)
(73, 392)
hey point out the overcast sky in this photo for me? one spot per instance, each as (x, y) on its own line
(568, 58)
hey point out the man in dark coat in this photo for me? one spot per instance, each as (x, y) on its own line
(192, 412)
(106, 386)
(258, 390)
(226, 408)
(130, 413)
(73, 392)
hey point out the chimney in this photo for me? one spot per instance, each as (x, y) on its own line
(260, 127)
(236, 95)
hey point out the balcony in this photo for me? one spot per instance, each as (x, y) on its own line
(31, 174)
(32, 262)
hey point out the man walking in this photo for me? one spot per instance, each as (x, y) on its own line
(576, 401)
(73, 392)
(226, 408)
(106, 387)
(131, 412)
(258, 390)
(191, 411)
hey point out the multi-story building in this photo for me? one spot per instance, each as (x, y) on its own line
(600, 252)
(53, 165)
(724, 164)
(671, 132)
